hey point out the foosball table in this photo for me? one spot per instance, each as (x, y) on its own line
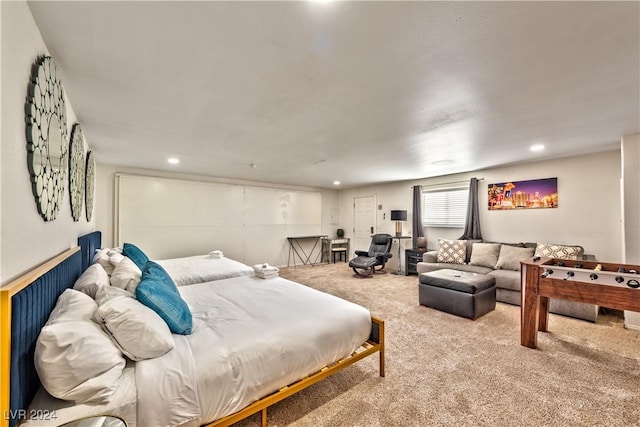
(605, 284)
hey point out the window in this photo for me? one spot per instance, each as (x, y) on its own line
(445, 207)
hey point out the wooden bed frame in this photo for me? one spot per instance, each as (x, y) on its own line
(374, 344)
(25, 305)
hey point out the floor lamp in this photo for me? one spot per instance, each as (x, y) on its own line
(398, 217)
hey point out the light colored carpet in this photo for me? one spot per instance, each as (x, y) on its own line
(446, 370)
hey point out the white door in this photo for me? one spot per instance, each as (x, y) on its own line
(364, 222)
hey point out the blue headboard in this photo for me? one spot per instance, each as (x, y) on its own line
(89, 243)
(25, 305)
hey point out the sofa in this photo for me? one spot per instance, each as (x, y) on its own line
(502, 261)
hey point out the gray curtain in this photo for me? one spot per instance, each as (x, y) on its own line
(472, 225)
(418, 231)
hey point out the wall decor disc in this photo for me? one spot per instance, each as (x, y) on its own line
(47, 144)
(76, 171)
(89, 184)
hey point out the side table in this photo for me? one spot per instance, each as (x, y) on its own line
(412, 258)
(399, 239)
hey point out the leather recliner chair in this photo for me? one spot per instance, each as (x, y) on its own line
(365, 262)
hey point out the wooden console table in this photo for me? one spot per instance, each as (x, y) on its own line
(606, 284)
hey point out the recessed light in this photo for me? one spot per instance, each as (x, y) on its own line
(536, 147)
(336, 182)
(173, 160)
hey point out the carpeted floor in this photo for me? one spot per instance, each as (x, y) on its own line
(446, 370)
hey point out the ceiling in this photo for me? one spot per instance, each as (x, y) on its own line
(360, 92)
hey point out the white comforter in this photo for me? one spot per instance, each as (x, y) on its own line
(203, 268)
(251, 337)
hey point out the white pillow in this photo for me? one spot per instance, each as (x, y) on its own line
(115, 258)
(92, 278)
(75, 359)
(102, 257)
(126, 276)
(136, 329)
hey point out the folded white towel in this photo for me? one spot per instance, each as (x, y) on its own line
(216, 254)
(266, 275)
(265, 271)
(265, 268)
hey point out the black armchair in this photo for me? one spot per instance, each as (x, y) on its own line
(365, 262)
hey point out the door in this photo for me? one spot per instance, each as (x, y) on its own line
(364, 222)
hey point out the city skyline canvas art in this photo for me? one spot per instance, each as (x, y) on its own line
(531, 194)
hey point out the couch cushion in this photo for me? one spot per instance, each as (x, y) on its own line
(470, 243)
(507, 279)
(485, 254)
(461, 281)
(510, 257)
(430, 256)
(452, 251)
(559, 251)
(517, 245)
(424, 267)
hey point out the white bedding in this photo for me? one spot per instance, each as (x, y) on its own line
(46, 410)
(251, 337)
(203, 268)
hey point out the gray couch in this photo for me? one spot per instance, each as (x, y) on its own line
(507, 274)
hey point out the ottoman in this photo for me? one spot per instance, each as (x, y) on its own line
(465, 294)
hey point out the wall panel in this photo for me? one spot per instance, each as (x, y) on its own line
(172, 217)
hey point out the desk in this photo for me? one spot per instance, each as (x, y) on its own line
(542, 278)
(295, 246)
(399, 239)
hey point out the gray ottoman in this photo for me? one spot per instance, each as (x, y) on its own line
(465, 294)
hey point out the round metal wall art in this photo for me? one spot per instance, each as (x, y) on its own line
(47, 145)
(76, 171)
(89, 184)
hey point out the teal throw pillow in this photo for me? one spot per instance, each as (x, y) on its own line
(158, 292)
(135, 254)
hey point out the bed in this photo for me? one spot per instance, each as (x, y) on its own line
(184, 270)
(203, 268)
(27, 302)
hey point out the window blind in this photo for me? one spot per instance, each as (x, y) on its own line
(446, 207)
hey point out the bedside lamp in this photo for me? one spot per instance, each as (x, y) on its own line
(398, 216)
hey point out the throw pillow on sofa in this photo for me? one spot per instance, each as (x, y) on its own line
(452, 251)
(558, 251)
(485, 254)
(510, 257)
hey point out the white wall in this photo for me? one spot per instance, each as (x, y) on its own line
(105, 198)
(588, 214)
(631, 206)
(27, 240)
(631, 201)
